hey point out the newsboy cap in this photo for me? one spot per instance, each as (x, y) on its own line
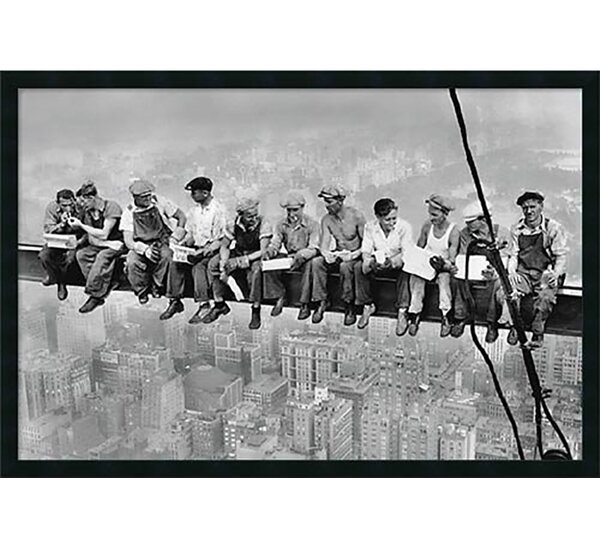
(473, 211)
(530, 194)
(332, 191)
(200, 183)
(141, 186)
(293, 199)
(87, 188)
(245, 205)
(440, 202)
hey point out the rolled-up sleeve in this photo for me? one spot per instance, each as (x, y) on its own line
(127, 220)
(219, 224)
(51, 218)
(368, 245)
(513, 252)
(314, 236)
(558, 246)
(278, 237)
(406, 238)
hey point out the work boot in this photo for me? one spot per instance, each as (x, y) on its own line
(492, 333)
(143, 298)
(47, 281)
(413, 326)
(513, 337)
(319, 312)
(349, 315)
(200, 314)
(402, 324)
(445, 327)
(458, 329)
(175, 306)
(255, 319)
(61, 291)
(220, 308)
(537, 341)
(278, 307)
(304, 312)
(91, 304)
(156, 292)
(368, 310)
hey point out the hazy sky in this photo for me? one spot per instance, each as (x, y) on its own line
(100, 119)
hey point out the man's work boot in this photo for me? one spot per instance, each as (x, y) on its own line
(413, 326)
(458, 329)
(319, 312)
(201, 312)
(91, 304)
(402, 323)
(61, 291)
(368, 310)
(175, 306)
(255, 319)
(278, 307)
(349, 315)
(156, 292)
(220, 308)
(537, 341)
(143, 298)
(492, 333)
(304, 312)
(513, 337)
(445, 327)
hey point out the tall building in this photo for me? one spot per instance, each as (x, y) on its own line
(269, 391)
(379, 429)
(417, 437)
(162, 399)
(175, 334)
(33, 333)
(77, 334)
(240, 359)
(457, 442)
(52, 381)
(38, 438)
(124, 370)
(333, 428)
(309, 360)
(115, 309)
(303, 412)
(207, 435)
(495, 351)
(239, 423)
(209, 389)
(358, 392)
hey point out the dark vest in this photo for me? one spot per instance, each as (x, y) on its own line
(148, 226)
(533, 256)
(247, 242)
(95, 218)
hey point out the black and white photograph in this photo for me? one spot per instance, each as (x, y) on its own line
(300, 274)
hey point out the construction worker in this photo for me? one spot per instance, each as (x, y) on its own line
(538, 262)
(146, 225)
(98, 258)
(385, 239)
(299, 234)
(439, 237)
(204, 228)
(476, 229)
(341, 239)
(56, 262)
(251, 235)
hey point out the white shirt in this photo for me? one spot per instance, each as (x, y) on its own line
(395, 242)
(206, 223)
(165, 206)
(439, 245)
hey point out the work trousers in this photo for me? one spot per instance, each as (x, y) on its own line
(274, 288)
(56, 262)
(249, 279)
(176, 280)
(356, 288)
(497, 309)
(97, 265)
(417, 293)
(142, 272)
(402, 284)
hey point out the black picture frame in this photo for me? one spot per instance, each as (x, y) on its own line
(12, 82)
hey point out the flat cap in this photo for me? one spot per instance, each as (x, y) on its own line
(293, 199)
(473, 211)
(141, 186)
(245, 205)
(332, 191)
(440, 202)
(201, 183)
(530, 194)
(88, 187)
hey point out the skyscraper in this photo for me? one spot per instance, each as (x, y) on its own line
(417, 437)
(333, 428)
(33, 334)
(77, 334)
(303, 412)
(379, 428)
(209, 389)
(162, 399)
(457, 442)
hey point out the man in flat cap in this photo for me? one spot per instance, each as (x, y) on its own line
(439, 237)
(341, 239)
(147, 226)
(98, 258)
(383, 245)
(251, 235)
(205, 226)
(56, 262)
(299, 234)
(476, 230)
(538, 262)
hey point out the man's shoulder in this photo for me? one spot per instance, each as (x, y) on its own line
(553, 224)
(52, 207)
(403, 224)
(112, 208)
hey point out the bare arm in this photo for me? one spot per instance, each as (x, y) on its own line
(100, 233)
(422, 240)
(453, 244)
(325, 244)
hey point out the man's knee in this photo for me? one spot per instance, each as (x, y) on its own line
(347, 268)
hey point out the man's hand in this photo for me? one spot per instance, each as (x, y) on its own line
(513, 277)
(396, 262)
(178, 234)
(488, 272)
(550, 277)
(74, 222)
(271, 252)
(152, 253)
(345, 256)
(368, 265)
(115, 245)
(330, 257)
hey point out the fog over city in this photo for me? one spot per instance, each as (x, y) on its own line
(120, 384)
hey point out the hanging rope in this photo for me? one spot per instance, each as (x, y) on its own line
(496, 262)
